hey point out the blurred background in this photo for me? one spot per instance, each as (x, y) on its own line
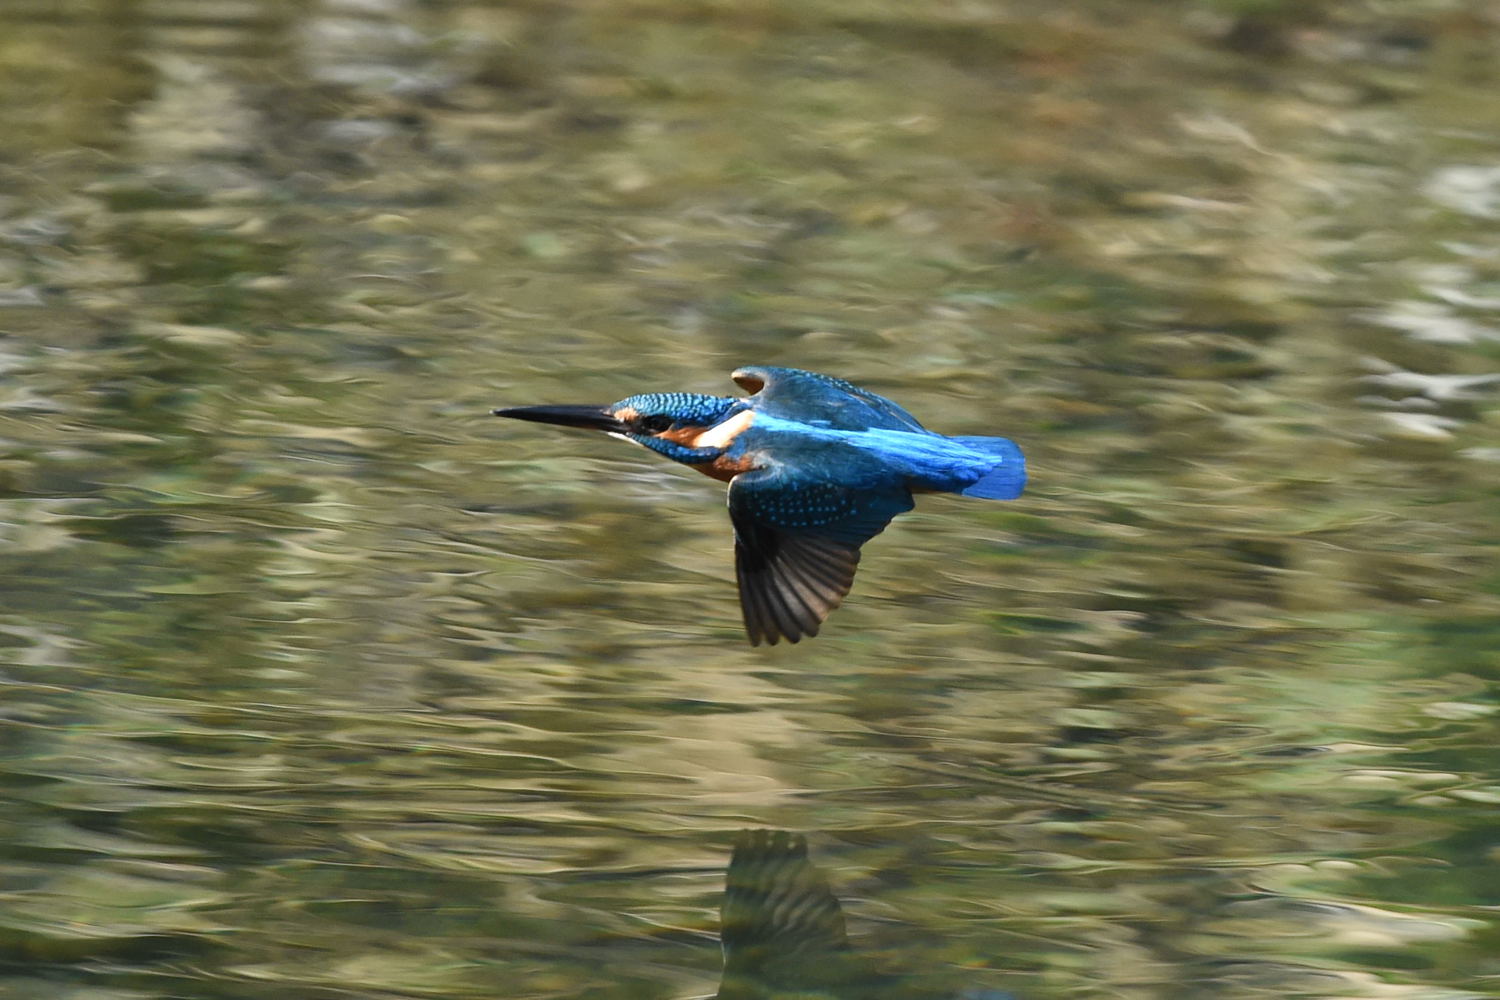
(317, 681)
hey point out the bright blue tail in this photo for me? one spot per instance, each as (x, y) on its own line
(1006, 480)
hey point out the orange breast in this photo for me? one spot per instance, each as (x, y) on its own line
(724, 469)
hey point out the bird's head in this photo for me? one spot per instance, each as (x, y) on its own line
(684, 426)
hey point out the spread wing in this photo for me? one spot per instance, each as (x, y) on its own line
(796, 545)
(810, 397)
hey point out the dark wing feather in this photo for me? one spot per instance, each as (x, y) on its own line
(796, 546)
(810, 397)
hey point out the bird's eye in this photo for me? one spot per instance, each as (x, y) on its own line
(655, 423)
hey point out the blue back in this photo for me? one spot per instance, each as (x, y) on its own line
(793, 394)
(880, 458)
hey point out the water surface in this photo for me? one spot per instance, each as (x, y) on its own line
(319, 682)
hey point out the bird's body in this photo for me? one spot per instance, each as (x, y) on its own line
(816, 467)
(872, 458)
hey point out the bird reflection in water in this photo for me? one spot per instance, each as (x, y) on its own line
(783, 933)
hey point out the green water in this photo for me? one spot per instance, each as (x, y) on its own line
(316, 681)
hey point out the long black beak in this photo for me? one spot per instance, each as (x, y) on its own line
(596, 418)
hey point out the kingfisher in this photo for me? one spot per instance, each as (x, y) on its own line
(816, 467)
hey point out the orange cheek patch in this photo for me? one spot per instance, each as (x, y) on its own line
(680, 435)
(626, 414)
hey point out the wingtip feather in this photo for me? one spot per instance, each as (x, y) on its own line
(791, 594)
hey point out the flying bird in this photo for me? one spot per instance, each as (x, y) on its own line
(816, 467)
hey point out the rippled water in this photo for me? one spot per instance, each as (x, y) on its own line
(319, 682)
